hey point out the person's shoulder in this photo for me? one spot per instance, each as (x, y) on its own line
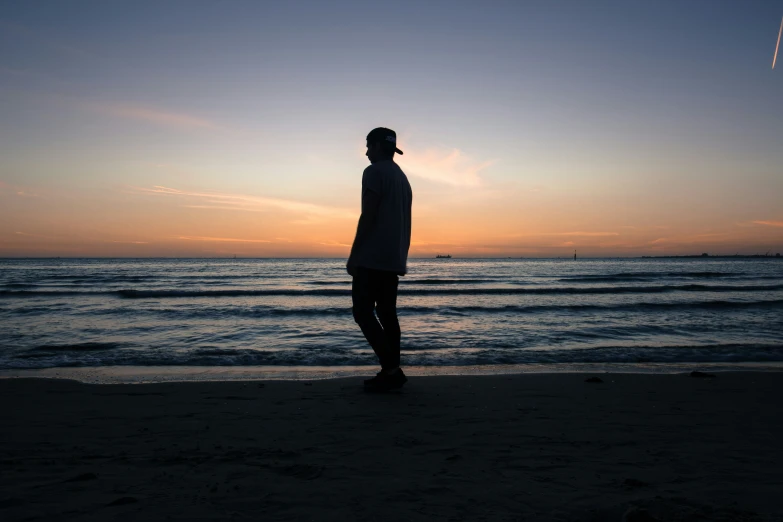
(400, 172)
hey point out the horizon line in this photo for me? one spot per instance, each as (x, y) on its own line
(776, 254)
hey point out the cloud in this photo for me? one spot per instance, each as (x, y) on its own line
(584, 234)
(334, 243)
(35, 235)
(226, 239)
(452, 167)
(570, 234)
(27, 194)
(770, 223)
(696, 237)
(217, 207)
(430, 243)
(157, 116)
(18, 190)
(223, 201)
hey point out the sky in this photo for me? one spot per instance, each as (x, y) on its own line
(530, 129)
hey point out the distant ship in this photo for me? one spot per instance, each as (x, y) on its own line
(439, 256)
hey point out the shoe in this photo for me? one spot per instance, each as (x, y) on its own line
(375, 380)
(397, 379)
(386, 381)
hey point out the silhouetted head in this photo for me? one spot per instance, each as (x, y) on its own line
(381, 144)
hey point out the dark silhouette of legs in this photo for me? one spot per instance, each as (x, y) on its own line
(386, 308)
(371, 291)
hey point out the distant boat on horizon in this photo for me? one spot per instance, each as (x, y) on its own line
(441, 256)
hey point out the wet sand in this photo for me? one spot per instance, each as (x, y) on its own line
(634, 447)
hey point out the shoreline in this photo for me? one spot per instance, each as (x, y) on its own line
(173, 374)
(538, 447)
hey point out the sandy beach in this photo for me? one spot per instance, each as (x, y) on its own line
(512, 447)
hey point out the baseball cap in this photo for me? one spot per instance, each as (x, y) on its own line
(383, 135)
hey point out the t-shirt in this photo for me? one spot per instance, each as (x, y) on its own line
(386, 246)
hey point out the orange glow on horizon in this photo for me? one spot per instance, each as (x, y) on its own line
(465, 221)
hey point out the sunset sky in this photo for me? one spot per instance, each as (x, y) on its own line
(214, 128)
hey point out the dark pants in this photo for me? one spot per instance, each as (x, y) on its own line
(375, 292)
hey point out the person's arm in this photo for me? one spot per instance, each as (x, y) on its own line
(371, 202)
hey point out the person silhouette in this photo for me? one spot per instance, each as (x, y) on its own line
(379, 255)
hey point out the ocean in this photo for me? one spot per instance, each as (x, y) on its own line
(57, 313)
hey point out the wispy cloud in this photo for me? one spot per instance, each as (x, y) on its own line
(431, 243)
(224, 239)
(18, 190)
(569, 234)
(156, 116)
(26, 194)
(334, 243)
(584, 234)
(217, 207)
(223, 201)
(710, 235)
(770, 223)
(452, 167)
(34, 235)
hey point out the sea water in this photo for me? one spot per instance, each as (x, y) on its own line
(453, 312)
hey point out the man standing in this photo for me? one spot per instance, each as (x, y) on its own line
(380, 254)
